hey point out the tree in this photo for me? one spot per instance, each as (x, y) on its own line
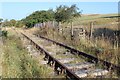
(65, 13)
(10, 23)
(38, 16)
(61, 14)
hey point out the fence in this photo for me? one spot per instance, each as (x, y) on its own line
(92, 30)
(48, 24)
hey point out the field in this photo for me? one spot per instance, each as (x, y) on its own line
(100, 21)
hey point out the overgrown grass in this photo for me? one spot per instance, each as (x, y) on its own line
(17, 63)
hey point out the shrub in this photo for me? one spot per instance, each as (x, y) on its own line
(4, 33)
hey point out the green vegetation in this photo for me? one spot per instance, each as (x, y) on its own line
(12, 23)
(38, 16)
(4, 33)
(65, 13)
(61, 14)
(17, 63)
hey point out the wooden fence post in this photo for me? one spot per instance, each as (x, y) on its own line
(59, 27)
(53, 24)
(91, 30)
(71, 30)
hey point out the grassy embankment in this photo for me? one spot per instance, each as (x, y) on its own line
(17, 63)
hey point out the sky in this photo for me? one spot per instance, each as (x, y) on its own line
(19, 10)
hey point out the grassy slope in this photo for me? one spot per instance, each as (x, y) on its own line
(100, 21)
(98, 17)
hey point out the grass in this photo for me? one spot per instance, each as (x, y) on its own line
(17, 63)
(100, 21)
(100, 18)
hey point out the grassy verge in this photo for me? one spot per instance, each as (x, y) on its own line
(17, 63)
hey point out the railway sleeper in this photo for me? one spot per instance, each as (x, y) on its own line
(66, 60)
(82, 65)
(91, 73)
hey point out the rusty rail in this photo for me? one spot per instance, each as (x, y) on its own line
(93, 58)
(57, 63)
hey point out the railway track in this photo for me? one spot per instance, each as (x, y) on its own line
(77, 52)
(73, 70)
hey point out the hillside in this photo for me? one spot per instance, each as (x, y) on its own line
(98, 18)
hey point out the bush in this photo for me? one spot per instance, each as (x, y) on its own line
(4, 33)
